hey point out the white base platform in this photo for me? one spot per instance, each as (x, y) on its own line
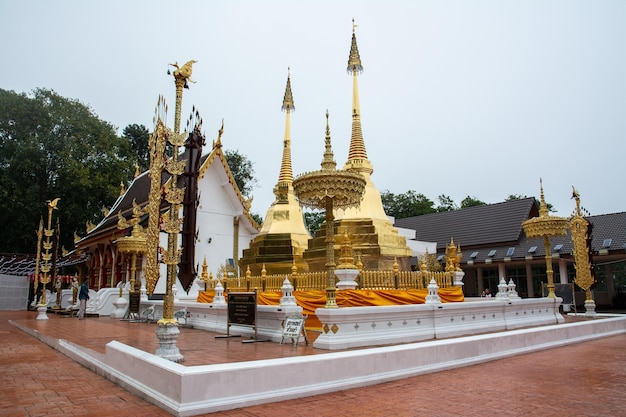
(188, 391)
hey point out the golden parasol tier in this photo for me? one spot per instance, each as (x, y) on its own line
(328, 189)
(546, 226)
(135, 244)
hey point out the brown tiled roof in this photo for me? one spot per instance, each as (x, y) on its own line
(491, 224)
(498, 227)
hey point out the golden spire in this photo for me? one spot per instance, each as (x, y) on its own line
(543, 207)
(328, 163)
(357, 155)
(286, 172)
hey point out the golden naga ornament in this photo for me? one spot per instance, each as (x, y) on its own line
(579, 227)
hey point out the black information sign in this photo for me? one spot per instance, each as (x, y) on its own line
(133, 304)
(242, 308)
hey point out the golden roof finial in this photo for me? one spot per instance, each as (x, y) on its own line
(543, 207)
(328, 163)
(286, 171)
(122, 187)
(354, 60)
(288, 104)
(137, 171)
(357, 155)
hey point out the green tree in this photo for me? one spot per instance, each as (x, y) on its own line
(471, 202)
(512, 197)
(313, 220)
(446, 203)
(242, 170)
(137, 136)
(50, 147)
(405, 205)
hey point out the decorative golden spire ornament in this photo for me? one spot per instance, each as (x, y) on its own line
(156, 148)
(285, 177)
(545, 226)
(46, 256)
(328, 189)
(135, 244)
(584, 275)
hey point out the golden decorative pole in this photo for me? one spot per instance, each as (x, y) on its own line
(156, 146)
(545, 226)
(584, 276)
(36, 278)
(45, 257)
(329, 188)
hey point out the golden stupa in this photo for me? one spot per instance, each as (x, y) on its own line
(283, 237)
(372, 234)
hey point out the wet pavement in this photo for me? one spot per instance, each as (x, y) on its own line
(583, 379)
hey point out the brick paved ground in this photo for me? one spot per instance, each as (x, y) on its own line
(585, 379)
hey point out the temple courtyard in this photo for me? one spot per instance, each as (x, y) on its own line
(584, 378)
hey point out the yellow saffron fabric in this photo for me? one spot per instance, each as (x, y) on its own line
(312, 300)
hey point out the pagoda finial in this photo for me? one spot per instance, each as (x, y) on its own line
(354, 60)
(328, 163)
(543, 207)
(285, 177)
(288, 100)
(357, 155)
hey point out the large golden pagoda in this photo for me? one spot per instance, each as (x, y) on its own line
(283, 237)
(372, 234)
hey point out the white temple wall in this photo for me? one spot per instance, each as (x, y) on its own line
(13, 292)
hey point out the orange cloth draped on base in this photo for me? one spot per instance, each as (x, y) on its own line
(312, 300)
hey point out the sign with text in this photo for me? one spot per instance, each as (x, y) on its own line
(242, 308)
(293, 327)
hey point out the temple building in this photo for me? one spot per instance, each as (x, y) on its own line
(494, 246)
(225, 226)
(374, 239)
(283, 238)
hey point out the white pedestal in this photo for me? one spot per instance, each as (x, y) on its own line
(167, 335)
(121, 304)
(346, 279)
(42, 312)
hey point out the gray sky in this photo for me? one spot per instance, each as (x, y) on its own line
(478, 98)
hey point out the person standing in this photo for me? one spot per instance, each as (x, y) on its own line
(83, 296)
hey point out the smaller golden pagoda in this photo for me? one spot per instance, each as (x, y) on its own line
(283, 238)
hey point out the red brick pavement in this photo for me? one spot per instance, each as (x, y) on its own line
(585, 379)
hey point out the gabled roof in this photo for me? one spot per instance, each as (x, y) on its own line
(139, 189)
(491, 224)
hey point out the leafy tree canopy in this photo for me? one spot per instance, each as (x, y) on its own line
(446, 203)
(405, 205)
(50, 147)
(471, 202)
(242, 170)
(137, 136)
(313, 220)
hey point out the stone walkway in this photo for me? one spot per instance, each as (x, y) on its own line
(585, 379)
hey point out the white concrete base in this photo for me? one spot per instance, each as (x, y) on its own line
(214, 318)
(344, 328)
(188, 391)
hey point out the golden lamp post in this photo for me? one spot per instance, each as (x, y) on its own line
(584, 276)
(328, 189)
(545, 226)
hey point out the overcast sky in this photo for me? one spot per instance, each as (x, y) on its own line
(479, 98)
